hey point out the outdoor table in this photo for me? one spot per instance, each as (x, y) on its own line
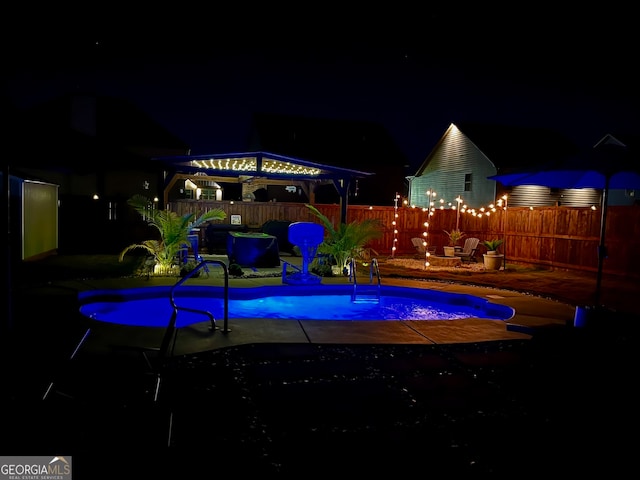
(253, 249)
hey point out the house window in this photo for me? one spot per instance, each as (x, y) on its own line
(467, 182)
(207, 194)
(112, 211)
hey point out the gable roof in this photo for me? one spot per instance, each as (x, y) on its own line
(629, 141)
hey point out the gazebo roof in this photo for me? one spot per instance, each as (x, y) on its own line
(267, 165)
(262, 164)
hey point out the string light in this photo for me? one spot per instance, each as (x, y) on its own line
(250, 164)
(395, 225)
(425, 243)
(425, 234)
(459, 206)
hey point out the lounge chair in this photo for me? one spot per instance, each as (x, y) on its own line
(468, 252)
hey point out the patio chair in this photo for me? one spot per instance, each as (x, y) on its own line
(468, 252)
(185, 256)
(418, 243)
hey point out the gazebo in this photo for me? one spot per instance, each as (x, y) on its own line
(253, 169)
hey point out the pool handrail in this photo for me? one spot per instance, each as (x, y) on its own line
(285, 269)
(374, 268)
(171, 327)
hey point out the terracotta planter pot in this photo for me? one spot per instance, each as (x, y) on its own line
(493, 262)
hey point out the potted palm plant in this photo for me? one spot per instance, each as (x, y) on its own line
(492, 245)
(173, 229)
(454, 237)
(347, 241)
(492, 259)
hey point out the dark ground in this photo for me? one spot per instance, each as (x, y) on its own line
(619, 294)
(564, 402)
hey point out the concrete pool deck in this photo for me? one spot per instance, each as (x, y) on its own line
(462, 397)
(531, 314)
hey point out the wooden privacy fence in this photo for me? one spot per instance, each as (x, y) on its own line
(550, 237)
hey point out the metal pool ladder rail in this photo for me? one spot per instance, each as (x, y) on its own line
(169, 336)
(367, 292)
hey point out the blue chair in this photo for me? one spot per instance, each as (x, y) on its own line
(194, 241)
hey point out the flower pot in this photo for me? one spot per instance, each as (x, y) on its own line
(449, 251)
(493, 262)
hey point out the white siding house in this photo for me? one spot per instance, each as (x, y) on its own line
(468, 153)
(456, 167)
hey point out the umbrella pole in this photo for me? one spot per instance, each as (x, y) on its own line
(602, 249)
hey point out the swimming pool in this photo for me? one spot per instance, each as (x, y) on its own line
(151, 306)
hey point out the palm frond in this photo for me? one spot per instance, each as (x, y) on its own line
(325, 221)
(348, 240)
(150, 246)
(174, 229)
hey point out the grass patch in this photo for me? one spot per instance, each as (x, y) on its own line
(73, 267)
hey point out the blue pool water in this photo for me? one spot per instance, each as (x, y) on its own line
(151, 307)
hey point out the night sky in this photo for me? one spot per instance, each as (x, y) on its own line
(201, 73)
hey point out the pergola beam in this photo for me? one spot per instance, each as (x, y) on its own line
(186, 167)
